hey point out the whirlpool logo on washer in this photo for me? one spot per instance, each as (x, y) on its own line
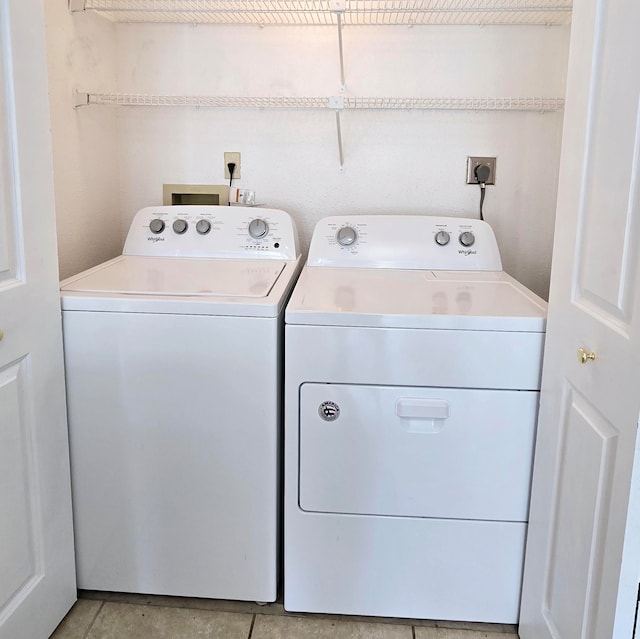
(329, 411)
(467, 252)
(155, 239)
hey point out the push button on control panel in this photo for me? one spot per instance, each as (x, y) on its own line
(180, 226)
(156, 226)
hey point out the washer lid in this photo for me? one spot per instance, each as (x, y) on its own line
(184, 277)
(393, 298)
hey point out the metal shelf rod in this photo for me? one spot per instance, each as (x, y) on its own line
(340, 50)
(340, 151)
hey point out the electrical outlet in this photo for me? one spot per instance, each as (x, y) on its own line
(235, 158)
(473, 162)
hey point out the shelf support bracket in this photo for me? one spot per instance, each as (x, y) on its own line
(338, 7)
(76, 5)
(337, 104)
(80, 98)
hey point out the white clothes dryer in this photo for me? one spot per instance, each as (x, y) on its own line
(412, 374)
(174, 380)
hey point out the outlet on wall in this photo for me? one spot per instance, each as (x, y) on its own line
(473, 162)
(235, 158)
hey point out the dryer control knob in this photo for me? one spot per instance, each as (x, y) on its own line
(346, 236)
(258, 229)
(156, 226)
(180, 226)
(442, 238)
(467, 238)
(203, 226)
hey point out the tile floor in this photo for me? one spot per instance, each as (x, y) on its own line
(100, 615)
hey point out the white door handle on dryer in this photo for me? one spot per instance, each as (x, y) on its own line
(418, 408)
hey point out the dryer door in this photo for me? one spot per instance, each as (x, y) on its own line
(420, 452)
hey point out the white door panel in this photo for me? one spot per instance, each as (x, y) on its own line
(589, 411)
(21, 560)
(586, 463)
(37, 574)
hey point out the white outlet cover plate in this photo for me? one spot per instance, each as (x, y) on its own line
(235, 158)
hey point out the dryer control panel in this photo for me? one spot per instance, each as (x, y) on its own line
(212, 231)
(405, 242)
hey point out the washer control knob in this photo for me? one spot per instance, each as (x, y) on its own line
(180, 226)
(258, 229)
(203, 226)
(442, 238)
(467, 238)
(346, 236)
(156, 226)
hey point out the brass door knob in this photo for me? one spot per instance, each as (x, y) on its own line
(584, 357)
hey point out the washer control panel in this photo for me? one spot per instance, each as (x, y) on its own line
(405, 242)
(212, 231)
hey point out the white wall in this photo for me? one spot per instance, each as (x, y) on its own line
(81, 52)
(395, 161)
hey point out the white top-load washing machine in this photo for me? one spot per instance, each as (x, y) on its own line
(173, 365)
(412, 371)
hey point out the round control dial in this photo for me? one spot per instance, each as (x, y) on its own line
(442, 238)
(203, 226)
(156, 226)
(180, 226)
(258, 229)
(346, 236)
(467, 238)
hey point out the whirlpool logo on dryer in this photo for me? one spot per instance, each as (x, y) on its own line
(467, 252)
(151, 238)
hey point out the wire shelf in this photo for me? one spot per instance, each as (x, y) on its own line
(335, 103)
(458, 104)
(325, 12)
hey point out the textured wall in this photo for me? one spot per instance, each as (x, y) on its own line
(81, 51)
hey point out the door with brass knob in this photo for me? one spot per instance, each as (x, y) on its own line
(581, 568)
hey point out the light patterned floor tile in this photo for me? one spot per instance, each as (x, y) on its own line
(128, 621)
(78, 620)
(455, 633)
(277, 608)
(273, 627)
(223, 605)
(477, 626)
